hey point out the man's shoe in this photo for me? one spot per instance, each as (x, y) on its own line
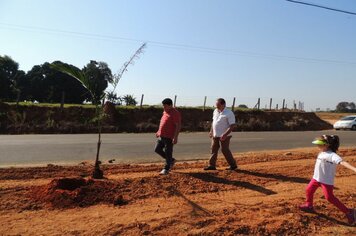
(232, 168)
(173, 162)
(305, 207)
(210, 168)
(351, 217)
(164, 172)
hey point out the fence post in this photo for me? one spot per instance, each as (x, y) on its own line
(257, 104)
(175, 100)
(270, 104)
(204, 103)
(141, 103)
(284, 102)
(233, 104)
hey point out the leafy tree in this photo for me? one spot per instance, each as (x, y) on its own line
(20, 86)
(129, 100)
(346, 107)
(9, 73)
(36, 78)
(113, 98)
(98, 75)
(49, 85)
(63, 87)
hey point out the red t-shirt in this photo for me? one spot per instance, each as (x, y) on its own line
(168, 123)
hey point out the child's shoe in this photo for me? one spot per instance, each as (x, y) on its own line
(351, 217)
(305, 207)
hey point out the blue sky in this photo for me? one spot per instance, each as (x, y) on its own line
(265, 46)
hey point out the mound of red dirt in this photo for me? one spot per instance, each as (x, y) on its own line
(80, 192)
(77, 192)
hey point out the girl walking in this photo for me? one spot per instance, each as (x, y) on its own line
(324, 174)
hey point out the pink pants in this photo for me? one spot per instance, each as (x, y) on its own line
(328, 193)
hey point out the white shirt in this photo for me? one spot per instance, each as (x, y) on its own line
(325, 167)
(222, 121)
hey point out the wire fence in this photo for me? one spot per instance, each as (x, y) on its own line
(262, 103)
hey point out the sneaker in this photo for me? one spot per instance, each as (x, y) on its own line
(173, 162)
(210, 168)
(164, 172)
(231, 168)
(351, 217)
(305, 207)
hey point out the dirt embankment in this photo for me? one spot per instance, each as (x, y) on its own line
(78, 119)
(261, 198)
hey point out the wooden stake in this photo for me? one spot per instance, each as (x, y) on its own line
(204, 103)
(284, 102)
(141, 103)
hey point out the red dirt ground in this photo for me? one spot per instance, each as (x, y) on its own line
(260, 198)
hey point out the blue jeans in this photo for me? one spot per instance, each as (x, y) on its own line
(164, 148)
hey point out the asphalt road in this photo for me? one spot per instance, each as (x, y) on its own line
(132, 148)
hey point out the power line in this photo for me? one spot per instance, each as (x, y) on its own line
(186, 47)
(320, 6)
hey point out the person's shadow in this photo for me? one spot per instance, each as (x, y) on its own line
(331, 219)
(280, 177)
(275, 176)
(208, 177)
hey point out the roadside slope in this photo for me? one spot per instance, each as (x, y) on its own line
(26, 119)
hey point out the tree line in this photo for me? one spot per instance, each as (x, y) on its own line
(45, 84)
(346, 107)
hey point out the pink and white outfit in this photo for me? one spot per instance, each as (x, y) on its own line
(324, 175)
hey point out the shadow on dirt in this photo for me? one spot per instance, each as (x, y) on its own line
(208, 177)
(275, 176)
(195, 207)
(331, 219)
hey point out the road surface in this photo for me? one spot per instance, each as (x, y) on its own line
(22, 150)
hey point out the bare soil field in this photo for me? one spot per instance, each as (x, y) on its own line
(332, 117)
(260, 198)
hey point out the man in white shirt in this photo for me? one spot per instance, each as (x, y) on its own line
(220, 134)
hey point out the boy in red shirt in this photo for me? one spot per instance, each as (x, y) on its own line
(167, 134)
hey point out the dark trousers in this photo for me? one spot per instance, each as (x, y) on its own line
(215, 146)
(164, 148)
